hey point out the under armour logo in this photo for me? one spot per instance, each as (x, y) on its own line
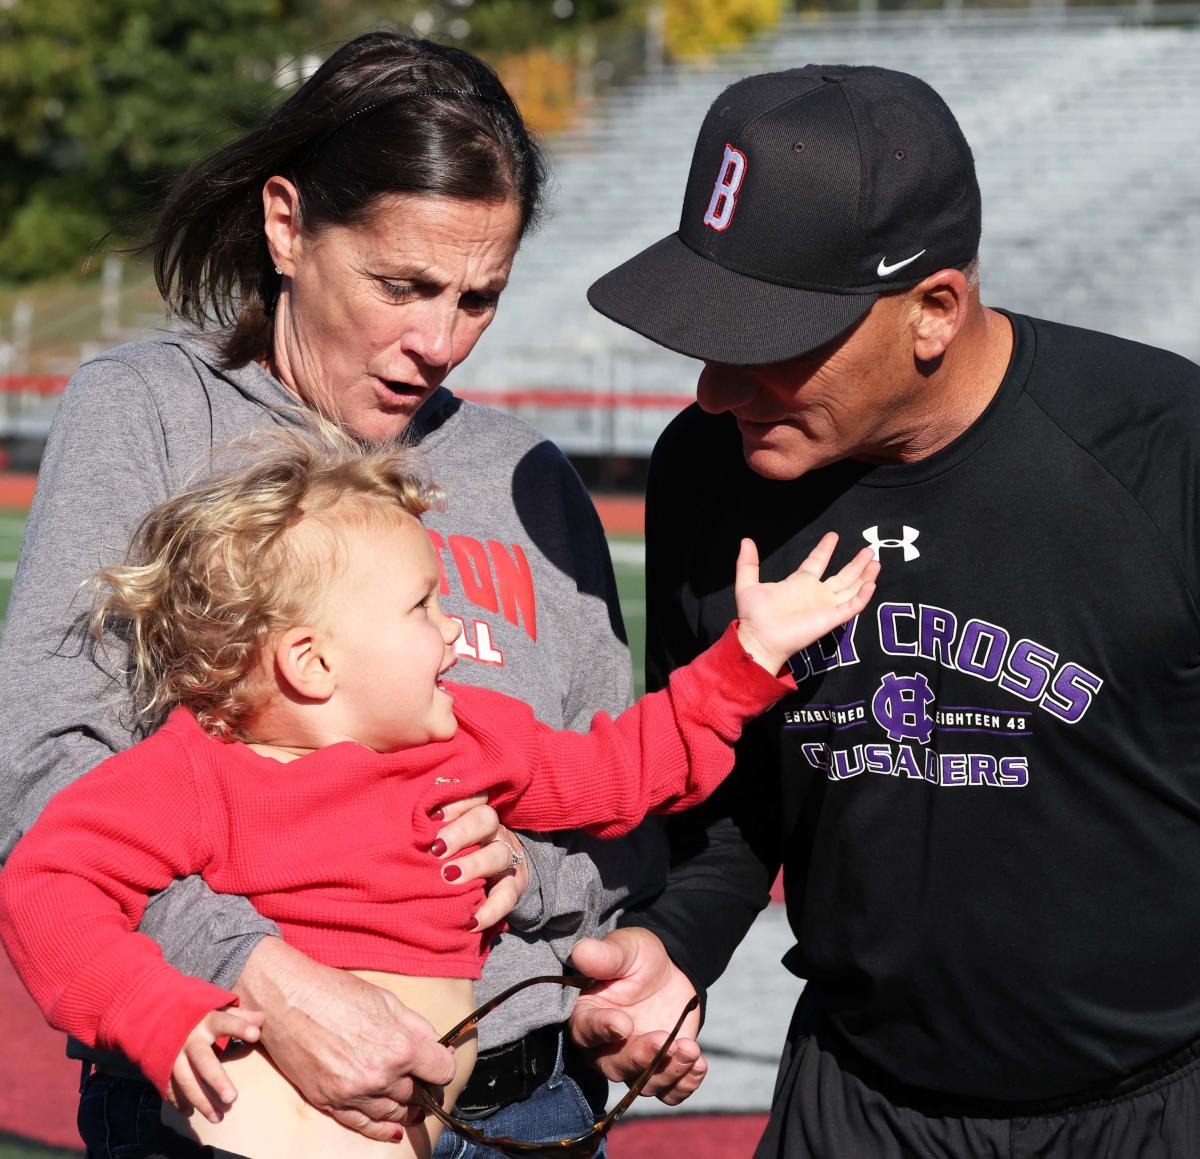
(901, 706)
(725, 189)
(871, 535)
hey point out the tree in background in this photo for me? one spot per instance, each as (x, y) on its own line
(496, 28)
(697, 28)
(102, 99)
(535, 45)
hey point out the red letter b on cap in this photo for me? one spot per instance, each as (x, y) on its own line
(725, 191)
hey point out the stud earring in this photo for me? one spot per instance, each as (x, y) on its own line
(279, 269)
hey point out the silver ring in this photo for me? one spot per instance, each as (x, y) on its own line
(516, 857)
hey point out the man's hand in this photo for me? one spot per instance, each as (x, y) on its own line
(624, 1021)
(352, 1049)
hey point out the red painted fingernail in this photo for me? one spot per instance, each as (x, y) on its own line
(452, 873)
(472, 925)
(438, 847)
(437, 814)
(397, 1136)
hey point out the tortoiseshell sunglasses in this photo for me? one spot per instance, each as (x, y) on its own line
(581, 1146)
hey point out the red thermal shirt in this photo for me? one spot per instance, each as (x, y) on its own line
(333, 846)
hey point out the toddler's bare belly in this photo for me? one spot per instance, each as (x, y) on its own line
(270, 1119)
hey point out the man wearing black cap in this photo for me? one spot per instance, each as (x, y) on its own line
(985, 794)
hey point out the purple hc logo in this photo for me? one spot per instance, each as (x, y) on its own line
(901, 706)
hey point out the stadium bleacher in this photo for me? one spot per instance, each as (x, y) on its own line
(1085, 129)
(1085, 123)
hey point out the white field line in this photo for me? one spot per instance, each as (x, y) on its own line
(628, 552)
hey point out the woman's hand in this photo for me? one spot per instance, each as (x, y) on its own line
(198, 1080)
(351, 1048)
(494, 854)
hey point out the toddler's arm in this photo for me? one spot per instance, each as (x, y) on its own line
(74, 889)
(673, 748)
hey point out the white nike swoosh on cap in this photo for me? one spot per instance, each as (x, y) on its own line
(885, 269)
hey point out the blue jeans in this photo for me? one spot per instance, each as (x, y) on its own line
(558, 1109)
(119, 1118)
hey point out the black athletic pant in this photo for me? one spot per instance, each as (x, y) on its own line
(825, 1109)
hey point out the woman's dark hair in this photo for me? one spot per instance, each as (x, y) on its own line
(384, 114)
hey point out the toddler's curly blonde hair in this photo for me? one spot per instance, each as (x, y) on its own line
(215, 571)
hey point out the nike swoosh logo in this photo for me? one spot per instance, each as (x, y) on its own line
(885, 269)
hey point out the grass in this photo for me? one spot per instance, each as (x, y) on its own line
(17, 1150)
(12, 527)
(629, 564)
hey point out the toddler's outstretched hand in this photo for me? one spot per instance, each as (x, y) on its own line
(777, 620)
(197, 1079)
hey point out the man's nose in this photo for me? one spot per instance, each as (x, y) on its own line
(721, 388)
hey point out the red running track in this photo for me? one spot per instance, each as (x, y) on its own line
(39, 1085)
(16, 490)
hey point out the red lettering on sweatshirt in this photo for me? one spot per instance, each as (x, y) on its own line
(516, 585)
(494, 578)
(475, 572)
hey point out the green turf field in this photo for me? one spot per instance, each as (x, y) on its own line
(22, 1151)
(12, 525)
(629, 562)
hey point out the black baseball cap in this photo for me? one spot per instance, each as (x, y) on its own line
(812, 192)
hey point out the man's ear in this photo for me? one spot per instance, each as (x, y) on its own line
(281, 222)
(302, 666)
(940, 305)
